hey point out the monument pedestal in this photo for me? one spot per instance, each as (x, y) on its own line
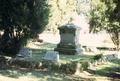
(67, 49)
(69, 43)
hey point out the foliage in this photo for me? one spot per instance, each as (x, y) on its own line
(83, 7)
(105, 15)
(98, 57)
(21, 20)
(3, 62)
(61, 12)
(84, 65)
(69, 68)
(20, 63)
(50, 65)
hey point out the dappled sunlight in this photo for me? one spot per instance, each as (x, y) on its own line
(34, 76)
(112, 71)
(41, 75)
(59, 40)
(68, 58)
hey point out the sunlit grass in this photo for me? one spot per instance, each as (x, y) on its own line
(13, 74)
(32, 75)
(39, 53)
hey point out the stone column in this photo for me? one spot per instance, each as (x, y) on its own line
(69, 40)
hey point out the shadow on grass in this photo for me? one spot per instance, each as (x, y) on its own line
(112, 72)
(41, 75)
(18, 72)
(14, 73)
(117, 61)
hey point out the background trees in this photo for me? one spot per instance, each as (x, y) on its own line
(105, 15)
(61, 11)
(21, 20)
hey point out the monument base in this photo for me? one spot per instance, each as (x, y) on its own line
(68, 50)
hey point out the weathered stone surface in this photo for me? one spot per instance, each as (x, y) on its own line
(24, 53)
(69, 43)
(52, 56)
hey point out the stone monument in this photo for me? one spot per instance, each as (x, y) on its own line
(24, 53)
(69, 40)
(51, 56)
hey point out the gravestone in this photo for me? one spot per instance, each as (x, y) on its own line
(51, 56)
(24, 53)
(69, 43)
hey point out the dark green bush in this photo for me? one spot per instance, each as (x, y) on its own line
(3, 62)
(84, 66)
(50, 65)
(21, 20)
(69, 68)
(45, 64)
(24, 63)
(97, 57)
(55, 66)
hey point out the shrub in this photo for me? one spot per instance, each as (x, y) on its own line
(97, 57)
(50, 65)
(21, 20)
(24, 63)
(3, 62)
(69, 68)
(84, 66)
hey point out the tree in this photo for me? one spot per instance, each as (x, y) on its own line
(61, 11)
(64, 11)
(105, 15)
(21, 20)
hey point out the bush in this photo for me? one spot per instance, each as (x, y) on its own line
(3, 62)
(21, 20)
(50, 65)
(97, 57)
(84, 66)
(24, 63)
(69, 68)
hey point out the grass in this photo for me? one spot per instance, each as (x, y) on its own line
(38, 76)
(39, 53)
(64, 58)
(113, 72)
(13, 74)
(17, 74)
(110, 70)
(32, 75)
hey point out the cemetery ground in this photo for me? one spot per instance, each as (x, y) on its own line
(106, 71)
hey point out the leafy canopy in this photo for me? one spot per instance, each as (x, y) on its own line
(105, 15)
(21, 20)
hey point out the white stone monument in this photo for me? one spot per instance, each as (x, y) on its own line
(51, 56)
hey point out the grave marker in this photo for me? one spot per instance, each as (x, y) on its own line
(69, 43)
(52, 56)
(24, 53)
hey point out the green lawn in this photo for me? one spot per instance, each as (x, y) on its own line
(39, 53)
(35, 75)
(103, 70)
(18, 74)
